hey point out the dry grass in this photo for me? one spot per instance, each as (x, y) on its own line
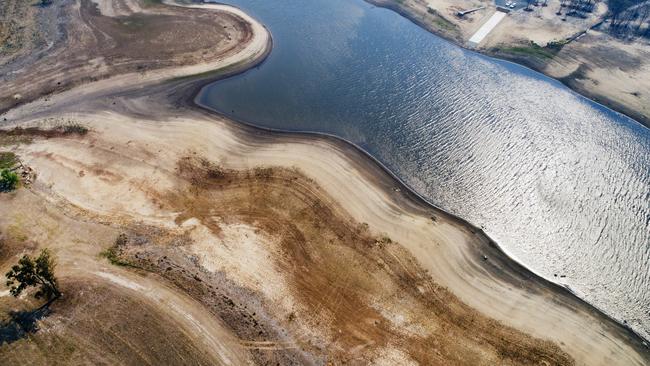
(99, 324)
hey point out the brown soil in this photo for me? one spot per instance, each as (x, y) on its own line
(349, 289)
(336, 270)
(97, 46)
(18, 28)
(95, 323)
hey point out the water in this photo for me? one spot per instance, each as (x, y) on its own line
(561, 183)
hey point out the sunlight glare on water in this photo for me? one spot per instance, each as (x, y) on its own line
(561, 183)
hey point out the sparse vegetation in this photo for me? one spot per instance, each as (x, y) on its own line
(440, 21)
(75, 128)
(444, 24)
(151, 2)
(8, 180)
(19, 135)
(629, 18)
(577, 8)
(113, 253)
(7, 160)
(34, 272)
(532, 50)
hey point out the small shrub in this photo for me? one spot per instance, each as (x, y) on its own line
(113, 256)
(263, 173)
(8, 180)
(113, 253)
(75, 128)
(557, 45)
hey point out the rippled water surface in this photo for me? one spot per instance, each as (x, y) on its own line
(561, 183)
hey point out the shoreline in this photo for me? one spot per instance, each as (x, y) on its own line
(193, 97)
(392, 180)
(499, 266)
(192, 100)
(520, 61)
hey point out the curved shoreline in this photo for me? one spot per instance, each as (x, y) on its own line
(352, 148)
(413, 195)
(504, 260)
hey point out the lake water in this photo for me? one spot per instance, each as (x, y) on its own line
(561, 183)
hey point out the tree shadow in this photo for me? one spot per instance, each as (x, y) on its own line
(21, 324)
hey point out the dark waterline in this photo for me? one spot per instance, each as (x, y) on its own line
(562, 183)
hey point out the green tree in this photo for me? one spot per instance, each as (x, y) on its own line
(37, 272)
(8, 180)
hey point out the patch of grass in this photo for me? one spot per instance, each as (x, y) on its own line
(6, 140)
(15, 232)
(74, 128)
(151, 2)
(7, 160)
(444, 24)
(18, 135)
(113, 256)
(439, 21)
(113, 253)
(532, 50)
